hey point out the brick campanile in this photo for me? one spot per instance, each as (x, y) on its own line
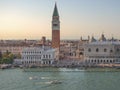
(55, 28)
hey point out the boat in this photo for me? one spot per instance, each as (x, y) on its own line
(55, 82)
(33, 78)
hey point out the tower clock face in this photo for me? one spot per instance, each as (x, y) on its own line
(55, 27)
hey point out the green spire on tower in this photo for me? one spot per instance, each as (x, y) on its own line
(55, 13)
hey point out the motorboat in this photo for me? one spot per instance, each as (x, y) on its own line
(33, 78)
(55, 82)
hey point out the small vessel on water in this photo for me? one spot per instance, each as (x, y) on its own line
(33, 78)
(54, 82)
(45, 77)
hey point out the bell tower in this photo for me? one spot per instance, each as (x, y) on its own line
(55, 28)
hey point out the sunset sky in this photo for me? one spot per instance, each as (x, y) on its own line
(31, 19)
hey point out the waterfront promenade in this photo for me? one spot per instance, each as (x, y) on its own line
(63, 64)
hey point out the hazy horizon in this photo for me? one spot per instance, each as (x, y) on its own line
(31, 19)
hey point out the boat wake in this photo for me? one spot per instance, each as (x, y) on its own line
(54, 82)
(45, 77)
(33, 78)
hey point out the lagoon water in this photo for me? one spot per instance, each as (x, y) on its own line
(17, 79)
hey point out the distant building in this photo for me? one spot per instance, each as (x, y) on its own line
(43, 40)
(13, 49)
(71, 50)
(15, 46)
(102, 51)
(37, 56)
(55, 28)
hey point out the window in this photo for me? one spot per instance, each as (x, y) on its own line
(95, 61)
(110, 61)
(89, 50)
(91, 60)
(49, 56)
(97, 50)
(81, 53)
(107, 61)
(49, 62)
(105, 50)
(104, 61)
(43, 56)
(46, 56)
(111, 51)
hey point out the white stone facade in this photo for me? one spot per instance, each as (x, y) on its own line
(37, 56)
(104, 52)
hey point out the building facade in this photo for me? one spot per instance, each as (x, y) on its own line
(13, 46)
(37, 56)
(102, 52)
(55, 28)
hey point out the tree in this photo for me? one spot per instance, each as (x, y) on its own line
(0, 57)
(7, 58)
(18, 56)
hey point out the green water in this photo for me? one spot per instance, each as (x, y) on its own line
(72, 79)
